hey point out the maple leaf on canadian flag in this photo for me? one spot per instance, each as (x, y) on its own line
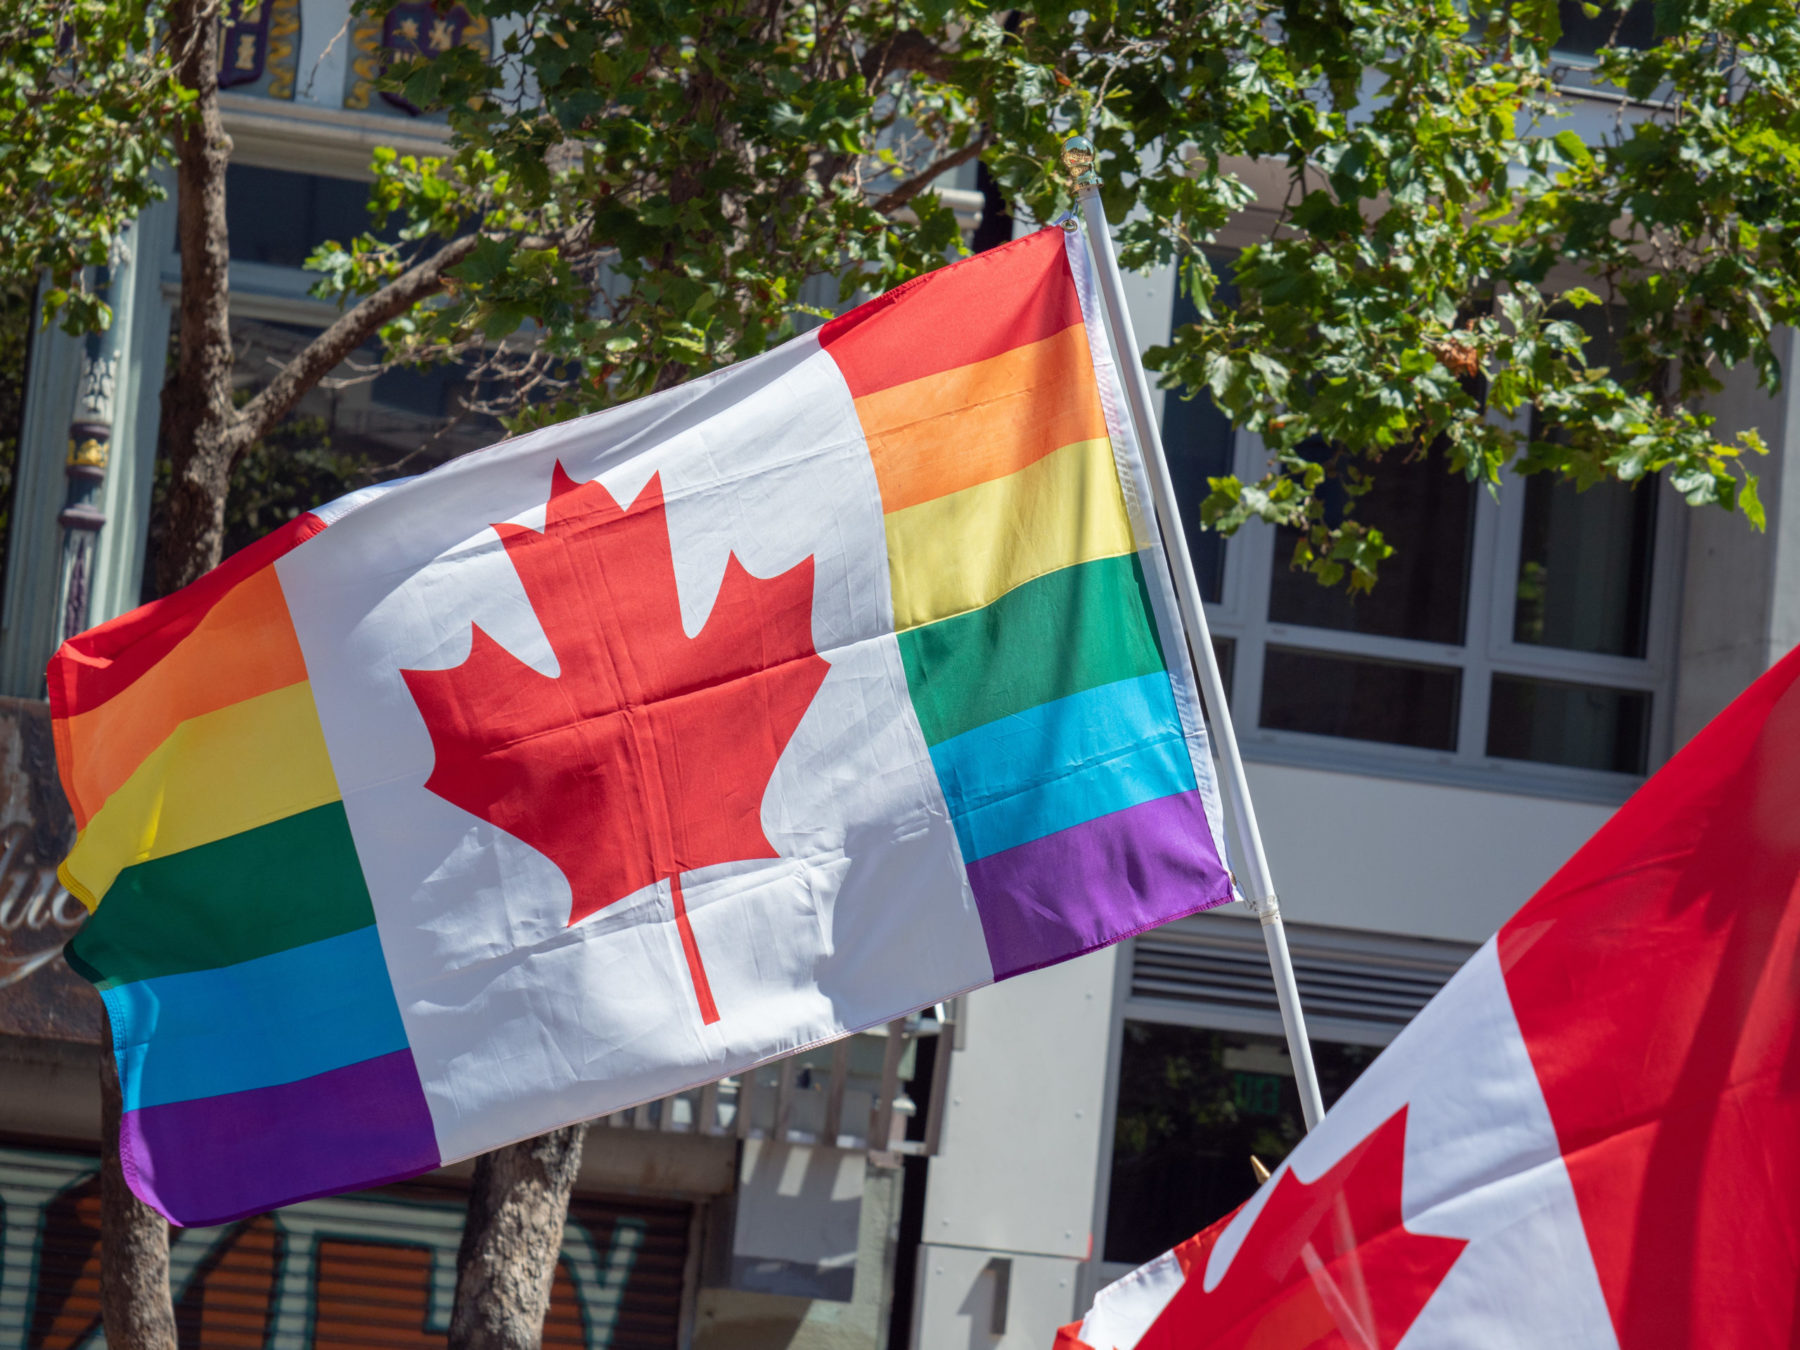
(647, 754)
(1328, 1264)
(1589, 1138)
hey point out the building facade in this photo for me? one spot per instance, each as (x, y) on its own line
(1422, 759)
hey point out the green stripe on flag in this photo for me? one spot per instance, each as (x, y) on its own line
(293, 881)
(1060, 634)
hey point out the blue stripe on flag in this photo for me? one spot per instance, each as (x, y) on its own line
(1063, 763)
(256, 1024)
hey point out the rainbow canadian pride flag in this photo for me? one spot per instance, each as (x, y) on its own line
(639, 750)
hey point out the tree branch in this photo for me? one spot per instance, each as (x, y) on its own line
(351, 330)
(913, 186)
(905, 50)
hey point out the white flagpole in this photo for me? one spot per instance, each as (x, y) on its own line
(1257, 885)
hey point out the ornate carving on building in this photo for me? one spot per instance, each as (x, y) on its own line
(259, 46)
(99, 377)
(413, 28)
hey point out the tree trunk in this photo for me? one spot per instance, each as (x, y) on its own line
(198, 419)
(135, 1308)
(517, 1206)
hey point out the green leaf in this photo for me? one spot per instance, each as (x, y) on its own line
(1750, 503)
(1573, 149)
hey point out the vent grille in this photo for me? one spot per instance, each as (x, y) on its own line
(1375, 984)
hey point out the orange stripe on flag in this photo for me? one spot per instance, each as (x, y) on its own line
(979, 422)
(243, 647)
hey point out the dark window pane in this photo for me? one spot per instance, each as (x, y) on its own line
(1584, 36)
(1225, 653)
(1585, 557)
(407, 419)
(1363, 698)
(1584, 566)
(1428, 515)
(1574, 724)
(279, 218)
(1194, 1105)
(1197, 438)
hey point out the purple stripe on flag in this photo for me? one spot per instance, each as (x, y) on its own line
(1094, 884)
(215, 1159)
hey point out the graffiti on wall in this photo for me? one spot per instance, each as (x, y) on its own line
(36, 914)
(376, 1269)
(40, 996)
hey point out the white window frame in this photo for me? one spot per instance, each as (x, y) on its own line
(1488, 649)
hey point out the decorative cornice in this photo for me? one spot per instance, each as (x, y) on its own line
(307, 139)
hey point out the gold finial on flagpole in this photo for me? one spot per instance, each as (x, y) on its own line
(1260, 1170)
(1078, 159)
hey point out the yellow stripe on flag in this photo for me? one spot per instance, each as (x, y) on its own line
(967, 549)
(216, 775)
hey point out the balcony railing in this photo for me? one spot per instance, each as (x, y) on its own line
(859, 1092)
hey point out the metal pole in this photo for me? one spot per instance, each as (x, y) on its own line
(1257, 885)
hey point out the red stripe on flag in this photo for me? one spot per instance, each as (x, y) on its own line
(1656, 979)
(979, 308)
(94, 666)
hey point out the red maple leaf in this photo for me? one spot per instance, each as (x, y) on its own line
(1326, 1265)
(647, 755)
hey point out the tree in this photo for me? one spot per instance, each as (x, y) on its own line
(635, 193)
(1439, 229)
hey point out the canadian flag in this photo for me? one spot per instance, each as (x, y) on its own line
(1590, 1138)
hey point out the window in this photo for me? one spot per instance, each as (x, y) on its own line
(1521, 643)
(1195, 1105)
(1198, 439)
(1576, 52)
(1361, 698)
(279, 218)
(1424, 587)
(1583, 35)
(1204, 1081)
